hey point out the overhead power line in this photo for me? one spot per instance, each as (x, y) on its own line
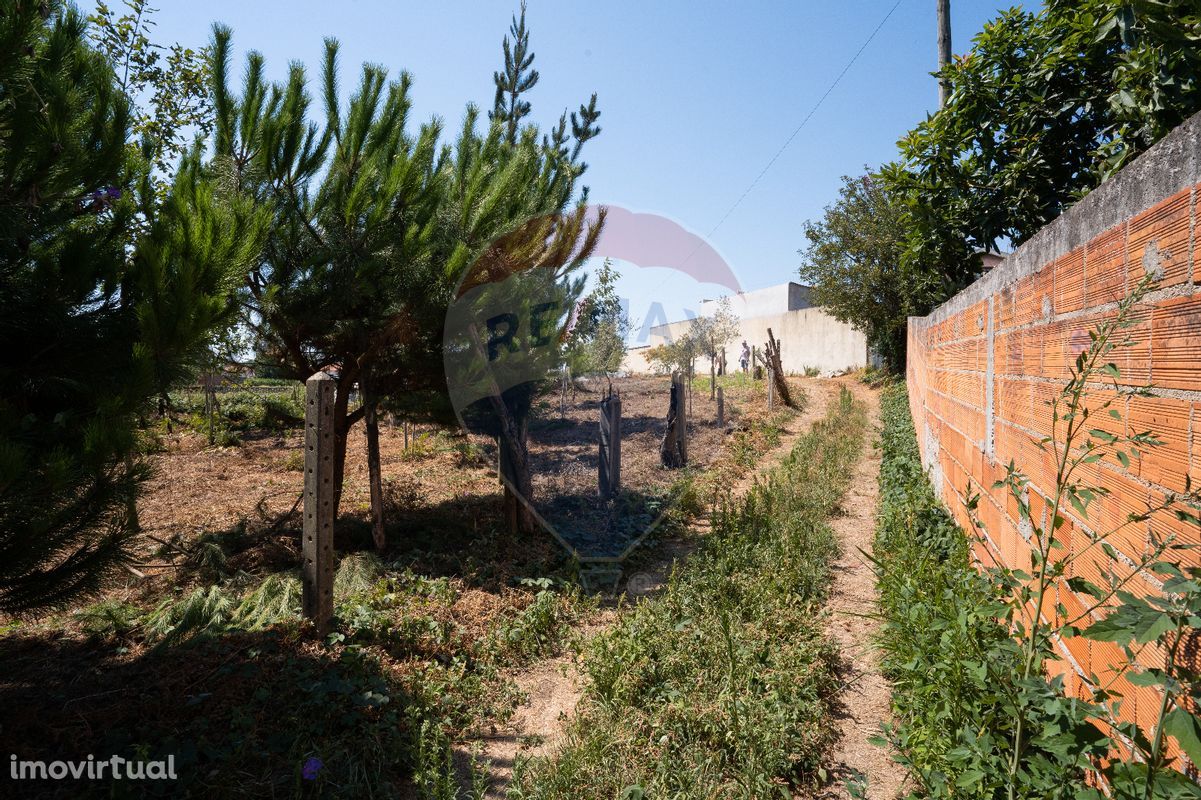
(804, 121)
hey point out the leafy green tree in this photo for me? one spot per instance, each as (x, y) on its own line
(597, 341)
(1043, 107)
(854, 264)
(710, 335)
(167, 86)
(105, 302)
(678, 355)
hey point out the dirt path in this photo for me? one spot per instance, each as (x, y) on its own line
(855, 763)
(554, 686)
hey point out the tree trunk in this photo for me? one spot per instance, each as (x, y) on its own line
(515, 471)
(713, 377)
(375, 478)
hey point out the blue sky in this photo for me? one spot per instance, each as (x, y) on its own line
(696, 97)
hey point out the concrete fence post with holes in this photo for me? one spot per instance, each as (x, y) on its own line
(318, 541)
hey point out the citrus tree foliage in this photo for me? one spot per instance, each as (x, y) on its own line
(1043, 107)
(853, 262)
(597, 342)
(678, 355)
(709, 336)
(107, 300)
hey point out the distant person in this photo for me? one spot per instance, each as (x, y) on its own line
(745, 358)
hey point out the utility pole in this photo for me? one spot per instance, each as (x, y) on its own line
(944, 47)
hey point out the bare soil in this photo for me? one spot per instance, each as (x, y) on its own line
(197, 489)
(564, 451)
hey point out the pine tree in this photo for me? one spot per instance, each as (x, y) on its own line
(584, 127)
(375, 226)
(559, 243)
(349, 277)
(104, 299)
(518, 77)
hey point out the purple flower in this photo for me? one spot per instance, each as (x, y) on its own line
(102, 199)
(312, 765)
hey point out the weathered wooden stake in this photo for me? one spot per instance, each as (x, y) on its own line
(375, 479)
(610, 447)
(771, 389)
(615, 444)
(682, 414)
(674, 451)
(318, 544)
(721, 408)
(775, 366)
(564, 376)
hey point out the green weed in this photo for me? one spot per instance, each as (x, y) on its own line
(977, 717)
(721, 686)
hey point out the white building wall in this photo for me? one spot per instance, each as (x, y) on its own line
(809, 337)
(761, 302)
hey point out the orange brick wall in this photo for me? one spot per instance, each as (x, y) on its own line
(983, 367)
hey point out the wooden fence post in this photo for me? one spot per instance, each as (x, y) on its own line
(610, 447)
(771, 389)
(564, 375)
(721, 408)
(674, 450)
(318, 544)
(682, 416)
